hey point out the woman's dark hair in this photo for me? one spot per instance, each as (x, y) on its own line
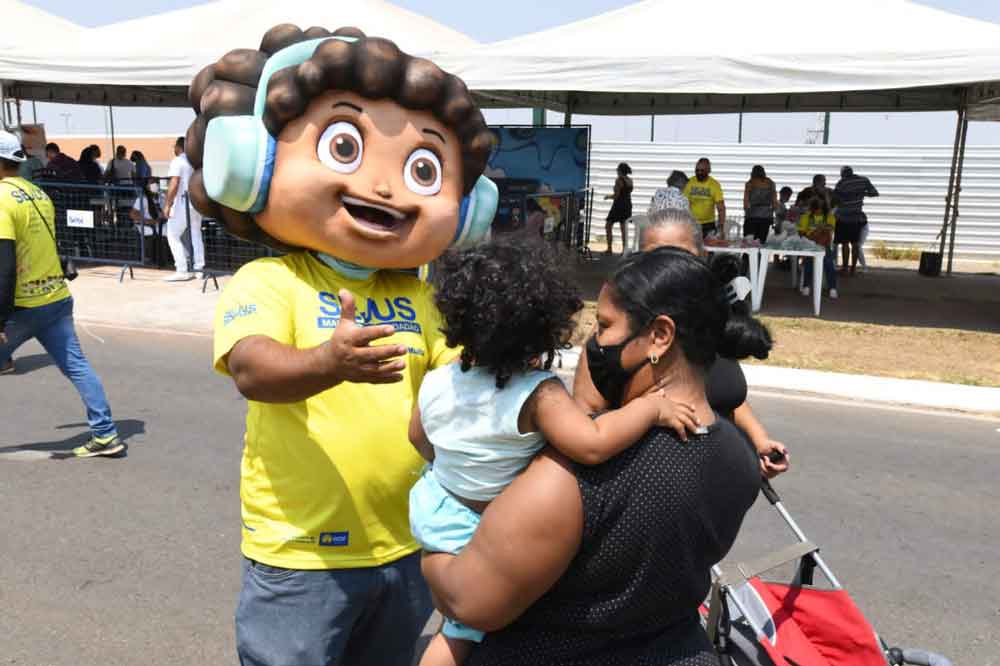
(624, 169)
(677, 179)
(785, 189)
(532, 205)
(371, 67)
(758, 172)
(673, 282)
(87, 154)
(507, 303)
(137, 157)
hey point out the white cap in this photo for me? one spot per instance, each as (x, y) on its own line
(10, 148)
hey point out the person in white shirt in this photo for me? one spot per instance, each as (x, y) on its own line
(181, 215)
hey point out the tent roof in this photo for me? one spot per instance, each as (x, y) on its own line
(664, 56)
(33, 24)
(151, 60)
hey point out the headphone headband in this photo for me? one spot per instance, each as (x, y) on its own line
(290, 56)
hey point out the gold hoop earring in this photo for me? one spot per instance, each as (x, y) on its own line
(654, 359)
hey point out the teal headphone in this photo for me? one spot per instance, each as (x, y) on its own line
(239, 157)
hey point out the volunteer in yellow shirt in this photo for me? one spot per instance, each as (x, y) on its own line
(34, 299)
(705, 196)
(819, 224)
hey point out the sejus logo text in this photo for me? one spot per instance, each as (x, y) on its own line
(397, 312)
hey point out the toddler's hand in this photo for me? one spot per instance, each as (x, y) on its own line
(677, 416)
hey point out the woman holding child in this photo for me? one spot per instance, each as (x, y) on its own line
(579, 561)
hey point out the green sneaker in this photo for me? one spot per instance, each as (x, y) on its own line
(100, 446)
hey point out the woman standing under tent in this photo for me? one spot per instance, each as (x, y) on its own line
(621, 205)
(760, 200)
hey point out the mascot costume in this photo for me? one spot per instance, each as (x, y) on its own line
(360, 163)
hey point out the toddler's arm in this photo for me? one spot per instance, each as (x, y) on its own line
(589, 441)
(418, 437)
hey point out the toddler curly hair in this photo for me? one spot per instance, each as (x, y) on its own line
(510, 304)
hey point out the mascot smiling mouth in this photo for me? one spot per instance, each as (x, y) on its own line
(377, 217)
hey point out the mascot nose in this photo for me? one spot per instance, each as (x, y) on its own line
(383, 190)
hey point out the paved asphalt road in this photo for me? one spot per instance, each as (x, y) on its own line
(135, 560)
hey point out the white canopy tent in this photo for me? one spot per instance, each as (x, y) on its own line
(653, 57)
(150, 61)
(24, 24)
(727, 56)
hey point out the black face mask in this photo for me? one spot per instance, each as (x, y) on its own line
(606, 371)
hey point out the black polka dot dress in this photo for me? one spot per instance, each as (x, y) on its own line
(656, 518)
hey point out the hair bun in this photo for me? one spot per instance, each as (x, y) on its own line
(745, 336)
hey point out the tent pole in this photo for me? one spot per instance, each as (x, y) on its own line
(538, 117)
(3, 107)
(111, 114)
(652, 128)
(826, 128)
(34, 112)
(958, 188)
(568, 116)
(951, 183)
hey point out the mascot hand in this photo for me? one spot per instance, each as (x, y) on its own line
(352, 358)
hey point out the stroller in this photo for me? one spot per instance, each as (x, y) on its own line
(756, 623)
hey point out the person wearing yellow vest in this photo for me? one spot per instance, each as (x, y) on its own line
(34, 299)
(819, 224)
(361, 163)
(705, 196)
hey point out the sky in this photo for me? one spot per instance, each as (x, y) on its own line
(524, 16)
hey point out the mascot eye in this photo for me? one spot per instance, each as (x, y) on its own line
(340, 147)
(422, 172)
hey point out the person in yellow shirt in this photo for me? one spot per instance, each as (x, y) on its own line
(705, 196)
(361, 163)
(34, 299)
(818, 224)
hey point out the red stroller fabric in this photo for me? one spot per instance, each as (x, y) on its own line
(817, 628)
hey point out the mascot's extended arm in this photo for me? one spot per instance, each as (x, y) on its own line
(344, 146)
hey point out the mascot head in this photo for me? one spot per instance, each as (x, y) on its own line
(340, 144)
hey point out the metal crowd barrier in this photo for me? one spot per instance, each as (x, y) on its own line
(93, 224)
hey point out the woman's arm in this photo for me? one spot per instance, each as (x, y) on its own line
(746, 196)
(527, 538)
(747, 421)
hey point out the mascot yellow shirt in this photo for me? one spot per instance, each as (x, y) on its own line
(325, 481)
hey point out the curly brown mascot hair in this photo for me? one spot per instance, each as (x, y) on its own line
(371, 67)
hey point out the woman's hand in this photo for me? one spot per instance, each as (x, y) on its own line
(772, 468)
(677, 416)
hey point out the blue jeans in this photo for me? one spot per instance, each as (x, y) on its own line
(350, 617)
(829, 269)
(52, 325)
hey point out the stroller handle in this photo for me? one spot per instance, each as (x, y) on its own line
(769, 492)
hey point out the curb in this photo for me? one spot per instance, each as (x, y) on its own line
(866, 388)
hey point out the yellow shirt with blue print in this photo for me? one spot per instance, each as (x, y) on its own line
(703, 197)
(27, 217)
(325, 481)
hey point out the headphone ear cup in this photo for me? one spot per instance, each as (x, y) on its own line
(238, 161)
(476, 214)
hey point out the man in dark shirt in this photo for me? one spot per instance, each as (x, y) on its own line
(61, 166)
(852, 223)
